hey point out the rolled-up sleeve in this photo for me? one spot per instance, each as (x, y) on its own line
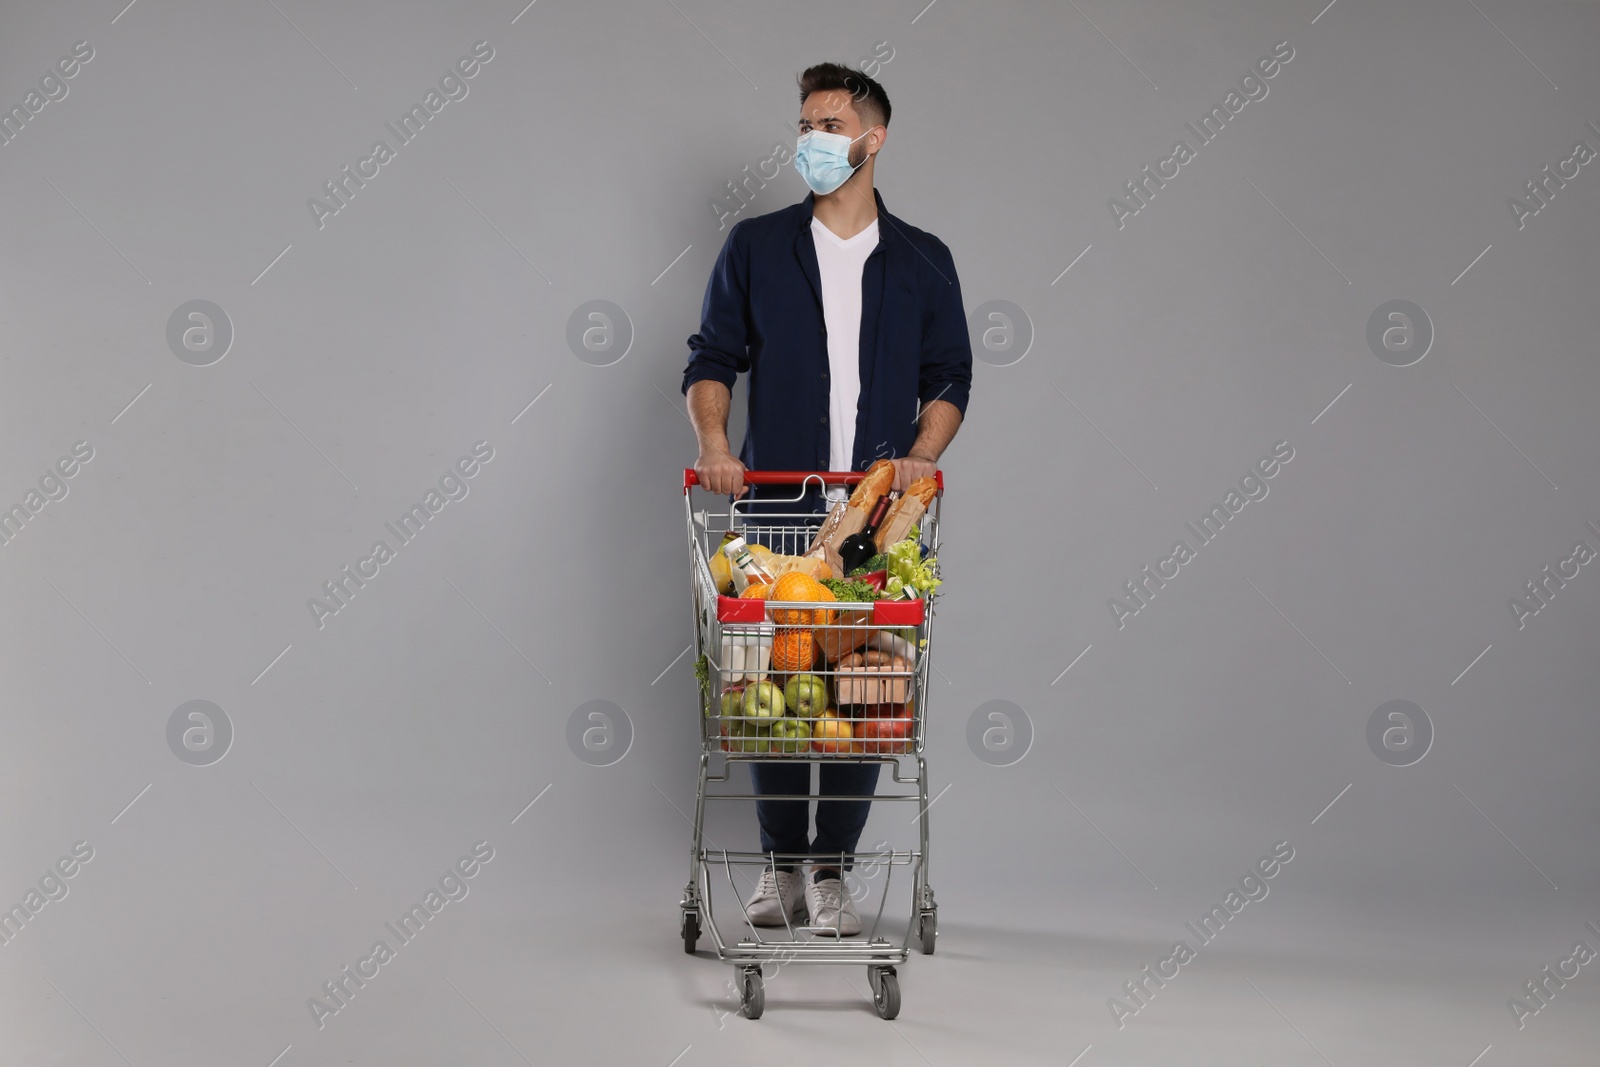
(946, 371)
(720, 350)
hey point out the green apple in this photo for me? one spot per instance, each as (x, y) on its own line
(806, 695)
(732, 701)
(753, 737)
(790, 734)
(763, 700)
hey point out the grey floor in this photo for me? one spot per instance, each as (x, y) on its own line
(561, 957)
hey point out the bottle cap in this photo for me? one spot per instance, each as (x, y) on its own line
(734, 547)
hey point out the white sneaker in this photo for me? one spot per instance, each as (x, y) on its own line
(764, 904)
(832, 912)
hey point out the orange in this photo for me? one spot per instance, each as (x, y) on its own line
(825, 617)
(754, 591)
(793, 650)
(796, 586)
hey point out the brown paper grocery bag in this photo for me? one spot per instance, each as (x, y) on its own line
(841, 522)
(898, 525)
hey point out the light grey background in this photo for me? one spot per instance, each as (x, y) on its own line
(368, 355)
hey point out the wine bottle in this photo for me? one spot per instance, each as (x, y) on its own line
(859, 546)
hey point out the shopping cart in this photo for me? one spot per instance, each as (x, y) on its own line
(874, 659)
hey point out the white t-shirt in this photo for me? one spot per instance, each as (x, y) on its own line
(840, 263)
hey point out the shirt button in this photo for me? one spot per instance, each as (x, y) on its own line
(822, 329)
(824, 420)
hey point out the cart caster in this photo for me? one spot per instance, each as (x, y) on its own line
(752, 998)
(690, 930)
(885, 990)
(927, 931)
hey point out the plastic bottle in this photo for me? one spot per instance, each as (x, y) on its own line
(745, 568)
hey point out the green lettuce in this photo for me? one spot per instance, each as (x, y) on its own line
(910, 575)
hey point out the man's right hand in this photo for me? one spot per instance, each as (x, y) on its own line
(721, 472)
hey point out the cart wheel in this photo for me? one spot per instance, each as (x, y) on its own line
(752, 998)
(927, 931)
(691, 931)
(886, 992)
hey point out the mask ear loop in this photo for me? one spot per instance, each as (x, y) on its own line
(864, 159)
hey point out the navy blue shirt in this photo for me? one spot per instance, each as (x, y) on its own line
(762, 314)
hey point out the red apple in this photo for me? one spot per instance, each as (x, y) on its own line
(866, 737)
(883, 728)
(896, 731)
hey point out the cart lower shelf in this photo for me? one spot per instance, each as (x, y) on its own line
(882, 978)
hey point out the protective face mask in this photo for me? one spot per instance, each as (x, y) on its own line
(823, 159)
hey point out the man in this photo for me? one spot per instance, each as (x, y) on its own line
(850, 324)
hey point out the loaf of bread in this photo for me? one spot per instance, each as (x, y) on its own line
(879, 477)
(904, 512)
(923, 489)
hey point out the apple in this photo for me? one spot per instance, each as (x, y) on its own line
(880, 728)
(864, 737)
(863, 727)
(790, 734)
(829, 733)
(746, 735)
(732, 734)
(806, 695)
(888, 733)
(855, 718)
(763, 700)
(732, 698)
(756, 737)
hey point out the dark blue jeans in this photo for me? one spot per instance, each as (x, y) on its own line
(839, 822)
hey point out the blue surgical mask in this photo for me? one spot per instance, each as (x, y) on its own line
(823, 159)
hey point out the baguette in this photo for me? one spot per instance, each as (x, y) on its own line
(880, 476)
(923, 489)
(904, 512)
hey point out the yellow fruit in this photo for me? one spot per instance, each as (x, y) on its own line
(830, 734)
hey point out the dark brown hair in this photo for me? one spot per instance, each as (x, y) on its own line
(870, 101)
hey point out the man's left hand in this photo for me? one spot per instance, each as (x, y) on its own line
(908, 469)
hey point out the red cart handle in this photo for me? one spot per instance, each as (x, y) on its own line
(690, 478)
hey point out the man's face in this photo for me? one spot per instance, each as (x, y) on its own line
(833, 111)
